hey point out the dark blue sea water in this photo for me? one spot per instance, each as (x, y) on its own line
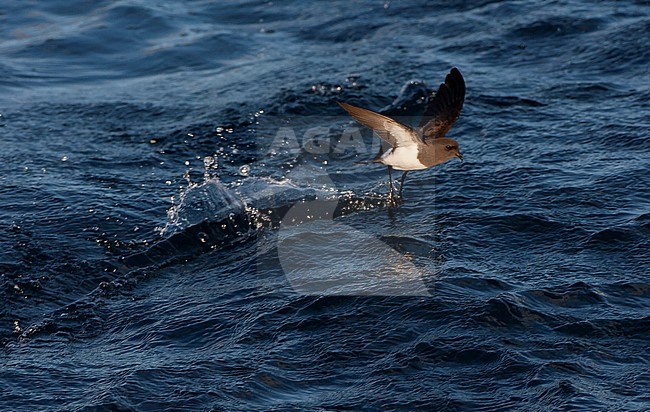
(185, 225)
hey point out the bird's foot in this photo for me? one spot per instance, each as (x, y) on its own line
(394, 201)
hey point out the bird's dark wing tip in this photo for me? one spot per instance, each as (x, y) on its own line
(444, 106)
(455, 76)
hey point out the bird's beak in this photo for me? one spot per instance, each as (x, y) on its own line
(460, 156)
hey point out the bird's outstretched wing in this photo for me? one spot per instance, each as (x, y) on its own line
(390, 130)
(444, 108)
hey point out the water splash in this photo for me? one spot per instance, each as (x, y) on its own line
(209, 200)
(210, 165)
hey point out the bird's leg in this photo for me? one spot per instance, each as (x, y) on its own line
(390, 184)
(401, 185)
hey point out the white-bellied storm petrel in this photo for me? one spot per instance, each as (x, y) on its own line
(422, 147)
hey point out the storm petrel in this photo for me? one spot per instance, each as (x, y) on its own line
(424, 146)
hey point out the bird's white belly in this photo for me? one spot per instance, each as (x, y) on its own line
(403, 158)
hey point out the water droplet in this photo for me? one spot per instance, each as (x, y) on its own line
(244, 170)
(203, 237)
(153, 141)
(64, 159)
(208, 161)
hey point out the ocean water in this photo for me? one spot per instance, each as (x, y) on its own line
(185, 222)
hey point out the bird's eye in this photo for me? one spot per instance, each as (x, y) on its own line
(449, 147)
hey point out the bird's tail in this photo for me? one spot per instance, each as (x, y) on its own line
(377, 158)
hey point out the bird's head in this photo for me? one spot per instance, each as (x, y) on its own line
(448, 149)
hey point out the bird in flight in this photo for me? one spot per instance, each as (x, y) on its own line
(421, 147)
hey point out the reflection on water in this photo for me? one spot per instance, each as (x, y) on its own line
(330, 258)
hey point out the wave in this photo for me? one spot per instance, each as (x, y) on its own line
(626, 327)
